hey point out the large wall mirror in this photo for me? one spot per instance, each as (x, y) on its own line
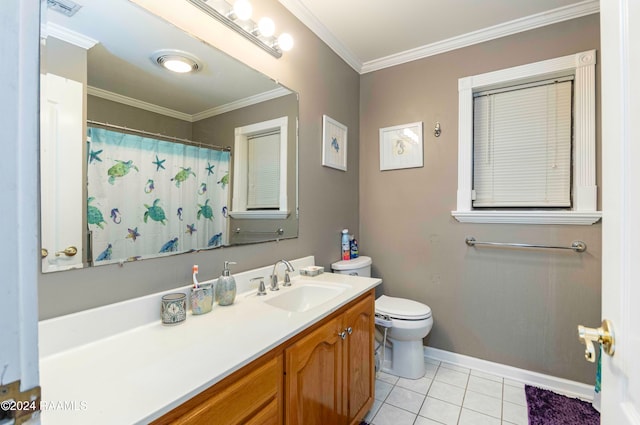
(138, 161)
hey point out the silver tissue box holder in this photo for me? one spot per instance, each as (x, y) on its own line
(311, 270)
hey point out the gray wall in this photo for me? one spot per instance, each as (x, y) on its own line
(328, 197)
(110, 112)
(516, 307)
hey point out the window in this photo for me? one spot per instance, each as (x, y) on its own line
(522, 146)
(519, 158)
(263, 171)
(260, 171)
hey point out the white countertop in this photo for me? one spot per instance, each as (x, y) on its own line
(119, 365)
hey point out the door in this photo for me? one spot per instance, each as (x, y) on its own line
(19, 35)
(61, 162)
(358, 360)
(313, 377)
(620, 40)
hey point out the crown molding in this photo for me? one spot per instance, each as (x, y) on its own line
(54, 30)
(232, 106)
(305, 16)
(538, 20)
(242, 103)
(104, 94)
(577, 10)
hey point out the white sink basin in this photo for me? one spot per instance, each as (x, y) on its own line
(304, 297)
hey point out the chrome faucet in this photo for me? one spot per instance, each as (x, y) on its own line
(274, 275)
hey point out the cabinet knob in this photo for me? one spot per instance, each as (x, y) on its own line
(342, 334)
(349, 330)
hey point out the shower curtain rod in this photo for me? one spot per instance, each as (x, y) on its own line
(577, 246)
(147, 133)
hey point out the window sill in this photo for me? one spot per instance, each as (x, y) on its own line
(255, 215)
(584, 218)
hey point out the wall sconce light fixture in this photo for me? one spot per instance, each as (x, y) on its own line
(238, 18)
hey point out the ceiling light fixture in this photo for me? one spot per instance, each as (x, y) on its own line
(238, 18)
(176, 61)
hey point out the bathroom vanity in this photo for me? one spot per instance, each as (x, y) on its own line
(323, 375)
(300, 353)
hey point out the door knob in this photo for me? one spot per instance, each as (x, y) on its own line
(69, 251)
(603, 335)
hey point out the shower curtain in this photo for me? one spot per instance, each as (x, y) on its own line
(148, 197)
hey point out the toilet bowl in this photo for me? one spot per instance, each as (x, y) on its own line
(407, 323)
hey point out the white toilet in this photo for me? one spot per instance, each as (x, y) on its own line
(411, 321)
(407, 322)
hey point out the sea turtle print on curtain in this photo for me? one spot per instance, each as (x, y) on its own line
(160, 196)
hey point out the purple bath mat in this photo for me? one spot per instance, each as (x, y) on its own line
(548, 408)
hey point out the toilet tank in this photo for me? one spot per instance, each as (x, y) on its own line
(360, 266)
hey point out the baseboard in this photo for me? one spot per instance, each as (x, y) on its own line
(559, 385)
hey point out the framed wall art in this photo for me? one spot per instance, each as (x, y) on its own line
(334, 144)
(401, 147)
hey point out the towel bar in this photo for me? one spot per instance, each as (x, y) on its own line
(577, 246)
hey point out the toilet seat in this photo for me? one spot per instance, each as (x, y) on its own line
(402, 308)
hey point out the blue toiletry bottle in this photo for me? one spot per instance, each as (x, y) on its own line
(353, 246)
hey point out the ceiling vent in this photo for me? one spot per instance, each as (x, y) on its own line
(66, 7)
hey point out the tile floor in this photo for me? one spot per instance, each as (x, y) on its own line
(450, 395)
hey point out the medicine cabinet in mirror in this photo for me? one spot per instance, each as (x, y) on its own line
(138, 161)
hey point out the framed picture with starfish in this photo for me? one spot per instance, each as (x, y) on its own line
(334, 144)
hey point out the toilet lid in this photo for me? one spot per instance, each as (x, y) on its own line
(353, 264)
(402, 308)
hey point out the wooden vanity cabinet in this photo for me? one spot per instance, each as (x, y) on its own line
(329, 373)
(251, 396)
(322, 376)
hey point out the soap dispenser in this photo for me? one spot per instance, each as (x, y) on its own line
(226, 286)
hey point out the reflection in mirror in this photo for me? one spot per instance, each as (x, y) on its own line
(138, 161)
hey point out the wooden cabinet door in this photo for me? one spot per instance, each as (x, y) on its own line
(358, 360)
(313, 377)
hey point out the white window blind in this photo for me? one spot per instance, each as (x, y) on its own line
(522, 146)
(263, 189)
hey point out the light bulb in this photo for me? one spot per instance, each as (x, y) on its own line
(266, 27)
(177, 65)
(242, 9)
(285, 41)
